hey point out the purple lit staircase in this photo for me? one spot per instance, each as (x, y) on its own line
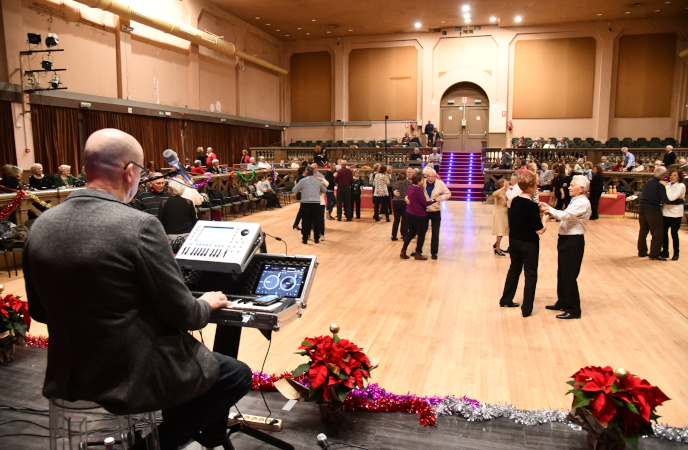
(463, 175)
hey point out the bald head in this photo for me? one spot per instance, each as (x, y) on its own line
(107, 154)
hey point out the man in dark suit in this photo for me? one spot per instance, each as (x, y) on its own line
(118, 334)
(669, 156)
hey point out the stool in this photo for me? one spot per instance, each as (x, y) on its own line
(82, 424)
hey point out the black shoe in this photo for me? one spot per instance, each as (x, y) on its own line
(305, 241)
(675, 258)
(349, 220)
(388, 219)
(664, 255)
(494, 245)
(554, 308)
(642, 255)
(498, 252)
(377, 219)
(527, 314)
(394, 238)
(658, 258)
(505, 251)
(434, 256)
(296, 227)
(568, 315)
(510, 305)
(317, 241)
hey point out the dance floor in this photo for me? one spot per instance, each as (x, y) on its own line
(435, 327)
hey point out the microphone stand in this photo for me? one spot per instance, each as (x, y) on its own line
(386, 117)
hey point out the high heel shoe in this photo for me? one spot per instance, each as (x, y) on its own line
(498, 252)
(296, 227)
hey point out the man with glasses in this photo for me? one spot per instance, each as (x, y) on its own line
(118, 337)
(149, 199)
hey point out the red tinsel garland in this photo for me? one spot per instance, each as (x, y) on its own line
(37, 341)
(7, 210)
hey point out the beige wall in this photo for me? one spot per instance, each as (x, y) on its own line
(148, 65)
(486, 59)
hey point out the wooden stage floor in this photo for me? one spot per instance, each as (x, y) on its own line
(436, 328)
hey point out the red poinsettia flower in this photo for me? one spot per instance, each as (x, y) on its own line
(595, 378)
(603, 408)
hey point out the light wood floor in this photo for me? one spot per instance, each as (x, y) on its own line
(435, 326)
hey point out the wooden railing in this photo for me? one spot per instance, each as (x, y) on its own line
(395, 156)
(646, 156)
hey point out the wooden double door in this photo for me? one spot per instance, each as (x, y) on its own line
(464, 120)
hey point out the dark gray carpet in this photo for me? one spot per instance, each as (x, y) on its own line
(21, 382)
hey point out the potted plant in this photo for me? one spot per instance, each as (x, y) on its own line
(335, 367)
(14, 314)
(613, 406)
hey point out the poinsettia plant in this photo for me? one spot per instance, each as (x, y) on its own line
(14, 314)
(619, 398)
(336, 366)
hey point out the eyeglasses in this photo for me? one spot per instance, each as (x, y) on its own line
(144, 171)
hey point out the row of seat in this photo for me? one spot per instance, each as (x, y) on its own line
(232, 202)
(613, 142)
(349, 143)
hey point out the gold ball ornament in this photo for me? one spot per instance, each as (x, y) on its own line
(2, 288)
(334, 328)
(621, 373)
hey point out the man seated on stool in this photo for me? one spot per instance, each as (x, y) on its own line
(118, 338)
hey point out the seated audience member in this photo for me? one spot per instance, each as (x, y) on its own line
(562, 143)
(282, 165)
(149, 199)
(605, 164)
(187, 165)
(64, 177)
(523, 167)
(295, 164)
(197, 169)
(416, 156)
(435, 159)
(506, 160)
(546, 177)
(587, 170)
(639, 167)
(83, 178)
(549, 144)
(151, 167)
(682, 164)
(245, 158)
(262, 164)
(579, 165)
(406, 140)
(215, 168)
(264, 189)
(252, 165)
(38, 180)
(658, 163)
(532, 168)
(190, 192)
(11, 177)
(618, 167)
(521, 143)
(537, 143)
(209, 157)
(415, 139)
(200, 155)
(177, 214)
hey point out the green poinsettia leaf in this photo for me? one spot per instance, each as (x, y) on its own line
(615, 388)
(576, 392)
(335, 338)
(617, 402)
(302, 353)
(341, 392)
(20, 328)
(571, 383)
(307, 344)
(303, 368)
(343, 375)
(315, 395)
(631, 439)
(582, 400)
(631, 407)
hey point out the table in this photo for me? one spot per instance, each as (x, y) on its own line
(612, 206)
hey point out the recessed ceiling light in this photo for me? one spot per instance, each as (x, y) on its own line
(312, 20)
(518, 19)
(493, 19)
(328, 32)
(627, 12)
(257, 18)
(465, 8)
(298, 28)
(444, 21)
(286, 35)
(599, 14)
(657, 10)
(278, 30)
(308, 34)
(351, 30)
(268, 24)
(666, 3)
(467, 16)
(467, 20)
(417, 25)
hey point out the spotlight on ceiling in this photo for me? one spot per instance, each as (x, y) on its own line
(47, 64)
(467, 16)
(465, 8)
(51, 40)
(34, 39)
(417, 25)
(493, 19)
(518, 19)
(55, 82)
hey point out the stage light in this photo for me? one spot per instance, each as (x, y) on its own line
(34, 39)
(518, 19)
(417, 25)
(55, 82)
(51, 40)
(47, 64)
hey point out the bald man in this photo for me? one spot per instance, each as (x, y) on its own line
(118, 335)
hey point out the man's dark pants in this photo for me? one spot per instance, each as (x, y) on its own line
(570, 257)
(651, 221)
(344, 199)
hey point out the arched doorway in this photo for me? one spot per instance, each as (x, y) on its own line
(464, 119)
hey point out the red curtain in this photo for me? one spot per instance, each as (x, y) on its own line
(155, 134)
(56, 137)
(227, 141)
(8, 153)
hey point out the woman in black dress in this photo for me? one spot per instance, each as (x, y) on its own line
(177, 214)
(560, 188)
(525, 226)
(596, 189)
(39, 181)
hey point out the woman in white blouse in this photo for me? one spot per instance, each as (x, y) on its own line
(673, 214)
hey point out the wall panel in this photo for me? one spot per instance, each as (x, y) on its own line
(310, 78)
(383, 81)
(553, 78)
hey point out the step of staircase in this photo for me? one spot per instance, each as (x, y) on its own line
(463, 175)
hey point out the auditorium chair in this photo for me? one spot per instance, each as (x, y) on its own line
(514, 141)
(361, 143)
(584, 144)
(5, 246)
(227, 204)
(627, 142)
(349, 143)
(577, 141)
(340, 143)
(298, 143)
(243, 200)
(255, 200)
(309, 144)
(655, 140)
(590, 141)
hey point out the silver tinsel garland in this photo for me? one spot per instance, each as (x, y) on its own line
(474, 411)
